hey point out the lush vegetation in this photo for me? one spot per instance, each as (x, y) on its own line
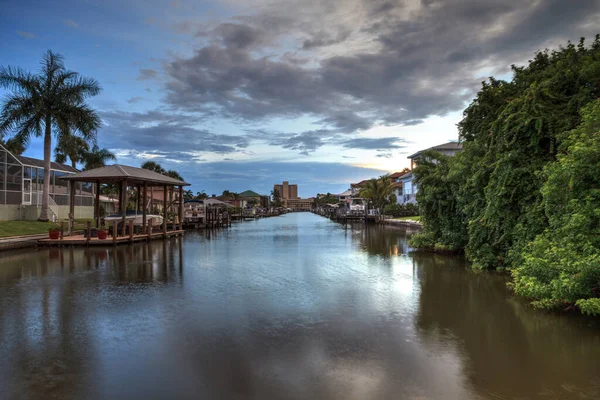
(523, 193)
(322, 199)
(401, 210)
(276, 198)
(380, 191)
(49, 104)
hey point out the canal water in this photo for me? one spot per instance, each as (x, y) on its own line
(291, 307)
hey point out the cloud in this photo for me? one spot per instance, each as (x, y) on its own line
(135, 99)
(70, 23)
(354, 64)
(176, 135)
(385, 143)
(27, 35)
(306, 142)
(260, 176)
(147, 73)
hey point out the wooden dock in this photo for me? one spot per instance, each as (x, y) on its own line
(81, 240)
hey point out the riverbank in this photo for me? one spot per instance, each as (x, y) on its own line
(403, 223)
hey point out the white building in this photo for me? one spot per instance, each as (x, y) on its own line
(409, 187)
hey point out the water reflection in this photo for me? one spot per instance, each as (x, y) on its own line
(293, 307)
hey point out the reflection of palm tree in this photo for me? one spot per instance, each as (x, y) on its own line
(51, 102)
(97, 157)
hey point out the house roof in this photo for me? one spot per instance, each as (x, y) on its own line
(346, 193)
(407, 176)
(117, 172)
(249, 193)
(442, 147)
(359, 184)
(396, 175)
(34, 162)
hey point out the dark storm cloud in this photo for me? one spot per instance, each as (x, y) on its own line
(175, 134)
(418, 61)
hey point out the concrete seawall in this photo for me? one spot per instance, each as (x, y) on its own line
(403, 224)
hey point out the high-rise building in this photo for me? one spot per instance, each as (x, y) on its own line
(287, 191)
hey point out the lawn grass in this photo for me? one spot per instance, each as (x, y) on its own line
(413, 218)
(20, 228)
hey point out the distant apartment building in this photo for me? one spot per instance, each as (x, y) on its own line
(287, 191)
(299, 204)
(290, 199)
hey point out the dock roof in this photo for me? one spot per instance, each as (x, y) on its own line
(119, 173)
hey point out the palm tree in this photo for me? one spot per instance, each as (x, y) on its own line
(49, 103)
(15, 146)
(173, 174)
(153, 166)
(201, 195)
(97, 157)
(379, 190)
(71, 147)
(188, 195)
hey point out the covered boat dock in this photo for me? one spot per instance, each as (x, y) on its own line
(134, 184)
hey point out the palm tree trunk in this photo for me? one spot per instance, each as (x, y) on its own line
(46, 189)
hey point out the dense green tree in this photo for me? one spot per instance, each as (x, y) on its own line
(439, 207)
(50, 103)
(561, 267)
(276, 197)
(323, 199)
(492, 194)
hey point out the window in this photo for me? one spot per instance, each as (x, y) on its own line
(40, 179)
(407, 187)
(60, 186)
(14, 178)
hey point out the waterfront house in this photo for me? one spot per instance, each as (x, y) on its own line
(408, 186)
(345, 196)
(21, 183)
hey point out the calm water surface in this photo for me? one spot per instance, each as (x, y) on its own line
(293, 307)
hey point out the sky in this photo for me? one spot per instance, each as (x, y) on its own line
(243, 94)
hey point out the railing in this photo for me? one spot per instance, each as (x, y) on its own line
(52, 206)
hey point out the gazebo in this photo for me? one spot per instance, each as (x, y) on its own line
(125, 176)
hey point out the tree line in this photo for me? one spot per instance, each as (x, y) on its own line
(524, 193)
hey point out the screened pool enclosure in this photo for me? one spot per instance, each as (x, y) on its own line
(21, 185)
